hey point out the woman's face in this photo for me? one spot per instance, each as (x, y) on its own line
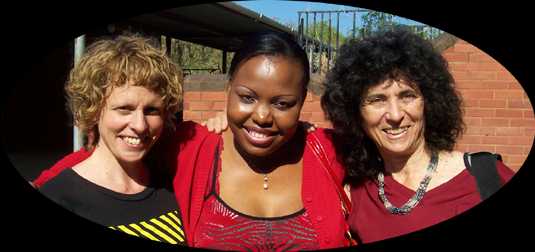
(393, 117)
(130, 122)
(264, 101)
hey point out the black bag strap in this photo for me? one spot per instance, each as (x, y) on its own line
(482, 165)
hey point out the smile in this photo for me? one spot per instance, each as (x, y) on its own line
(131, 141)
(396, 132)
(259, 138)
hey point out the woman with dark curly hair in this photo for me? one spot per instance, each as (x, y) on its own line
(396, 116)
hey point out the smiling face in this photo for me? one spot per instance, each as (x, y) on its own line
(130, 123)
(264, 101)
(393, 117)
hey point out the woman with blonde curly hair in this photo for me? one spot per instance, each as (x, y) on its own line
(123, 94)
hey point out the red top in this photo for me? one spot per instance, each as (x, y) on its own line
(66, 162)
(372, 222)
(192, 185)
(191, 182)
(223, 228)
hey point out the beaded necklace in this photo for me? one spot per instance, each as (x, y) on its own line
(412, 202)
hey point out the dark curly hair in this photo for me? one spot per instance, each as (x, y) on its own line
(363, 63)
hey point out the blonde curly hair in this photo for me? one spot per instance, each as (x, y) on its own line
(111, 63)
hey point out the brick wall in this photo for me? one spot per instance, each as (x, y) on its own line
(498, 113)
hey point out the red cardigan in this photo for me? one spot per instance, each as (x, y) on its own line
(320, 199)
(191, 152)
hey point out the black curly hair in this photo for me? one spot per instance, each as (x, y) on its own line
(365, 62)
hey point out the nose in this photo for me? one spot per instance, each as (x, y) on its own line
(138, 122)
(262, 115)
(395, 112)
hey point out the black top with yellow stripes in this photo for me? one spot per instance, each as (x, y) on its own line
(152, 213)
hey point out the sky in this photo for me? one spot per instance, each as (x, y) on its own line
(285, 12)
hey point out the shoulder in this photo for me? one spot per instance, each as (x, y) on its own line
(190, 131)
(66, 162)
(504, 171)
(60, 185)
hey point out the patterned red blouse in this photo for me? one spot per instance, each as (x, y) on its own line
(224, 228)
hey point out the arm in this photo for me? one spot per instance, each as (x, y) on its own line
(66, 162)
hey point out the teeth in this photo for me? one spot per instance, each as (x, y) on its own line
(132, 140)
(396, 131)
(257, 135)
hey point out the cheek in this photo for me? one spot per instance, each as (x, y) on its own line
(238, 112)
(287, 120)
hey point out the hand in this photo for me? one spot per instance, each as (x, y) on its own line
(217, 124)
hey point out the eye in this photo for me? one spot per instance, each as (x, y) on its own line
(283, 105)
(408, 96)
(123, 109)
(372, 100)
(247, 99)
(153, 111)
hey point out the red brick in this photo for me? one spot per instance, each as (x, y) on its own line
(529, 132)
(456, 57)
(192, 96)
(509, 149)
(491, 84)
(472, 121)
(477, 94)
(492, 103)
(514, 103)
(481, 131)
(495, 122)
(527, 149)
(458, 66)
(471, 103)
(471, 85)
(523, 123)
(462, 47)
(305, 116)
(314, 106)
(325, 124)
(517, 159)
(509, 131)
(467, 139)
(476, 66)
(185, 106)
(494, 140)
(461, 147)
(482, 75)
(514, 85)
(190, 115)
(205, 115)
(219, 105)
(472, 112)
(317, 116)
(510, 113)
(503, 94)
(481, 147)
(200, 105)
(520, 140)
(480, 57)
(504, 75)
(310, 97)
(213, 96)
(528, 114)
(459, 75)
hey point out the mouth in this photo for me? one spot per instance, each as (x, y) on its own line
(259, 137)
(133, 141)
(394, 133)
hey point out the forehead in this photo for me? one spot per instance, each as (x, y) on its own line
(392, 85)
(129, 93)
(272, 72)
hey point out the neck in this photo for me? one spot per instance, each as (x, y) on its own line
(408, 165)
(119, 176)
(289, 153)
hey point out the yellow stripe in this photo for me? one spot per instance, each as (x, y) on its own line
(158, 232)
(175, 218)
(143, 232)
(166, 228)
(126, 230)
(113, 228)
(172, 224)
